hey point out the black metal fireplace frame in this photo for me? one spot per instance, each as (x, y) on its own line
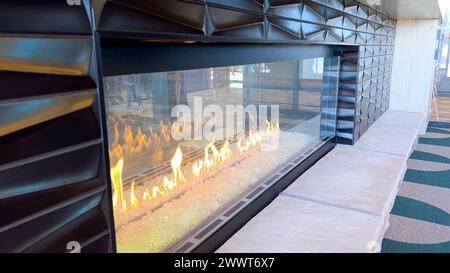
(120, 55)
(67, 40)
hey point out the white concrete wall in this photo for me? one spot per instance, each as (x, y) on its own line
(413, 65)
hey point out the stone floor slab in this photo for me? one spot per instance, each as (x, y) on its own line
(294, 225)
(389, 139)
(355, 179)
(342, 203)
(404, 119)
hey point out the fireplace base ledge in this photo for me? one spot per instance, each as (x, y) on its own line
(342, 203)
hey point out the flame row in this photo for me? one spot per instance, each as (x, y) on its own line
(213, 157)
(134, 144)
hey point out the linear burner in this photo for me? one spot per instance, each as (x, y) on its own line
(195, 238)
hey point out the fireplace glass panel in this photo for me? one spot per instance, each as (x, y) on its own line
(185, 146)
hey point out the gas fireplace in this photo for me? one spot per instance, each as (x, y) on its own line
(195, 141)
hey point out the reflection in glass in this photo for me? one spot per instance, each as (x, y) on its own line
(165, 188)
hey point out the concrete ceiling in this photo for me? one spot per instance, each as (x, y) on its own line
(407, 9)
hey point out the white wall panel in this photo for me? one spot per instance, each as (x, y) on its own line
(413, 65)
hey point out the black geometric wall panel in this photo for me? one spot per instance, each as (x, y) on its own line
(192, 15)
(43, 17)
(123, 18)
(253, 6)
(235, 23)
(283, 29)
(286, 9)
(52, 155)
(317, 21)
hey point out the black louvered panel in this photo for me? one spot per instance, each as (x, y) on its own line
(98, 243)
(19, 236)
(18, 84)
(17, 114)
(19, 208)
(47, 55)
(87, 229)
(52, 168)
(30, 187)
(58, 133)
(44, 166)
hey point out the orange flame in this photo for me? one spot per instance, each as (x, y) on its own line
(218, 156)
(175, 163)
(116, 177)
(165, 131)
(133, 199)
(146, 196)
(212, 157)
(135, 143)
(225, 151)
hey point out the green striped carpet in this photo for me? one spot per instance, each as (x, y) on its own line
(420, 219)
